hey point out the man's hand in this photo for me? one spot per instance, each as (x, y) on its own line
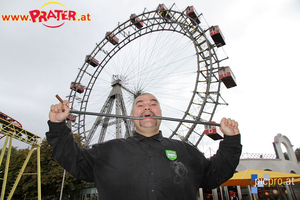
(56, 113)
(229, 127)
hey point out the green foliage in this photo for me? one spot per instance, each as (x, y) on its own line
(51, 173)
(286, 156)
(15, 163)
(297, 152)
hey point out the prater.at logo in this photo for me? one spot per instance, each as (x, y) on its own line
(268, 181)
(55, 15)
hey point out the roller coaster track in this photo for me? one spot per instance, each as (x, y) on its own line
(18, 133)
(12, 131)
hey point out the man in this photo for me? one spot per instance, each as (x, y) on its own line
(234, 197)
(146, 166)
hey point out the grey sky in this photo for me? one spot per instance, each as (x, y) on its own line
(39, 62)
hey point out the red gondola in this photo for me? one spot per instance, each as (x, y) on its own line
(77, 87)
(92, 61)
(212, 132)
(72, 117)
(111, 38)
(163, 11)
(136, 21)
(217, 36)
(192, 13)
(227, 77)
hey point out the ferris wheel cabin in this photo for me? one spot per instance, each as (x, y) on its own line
(136, 21)
(72, 117)
(227, 77)
(163, 11)
(217, 36)
(212, 132)
(77, 87)
(192, 13)
(112, 38)
(92, 61)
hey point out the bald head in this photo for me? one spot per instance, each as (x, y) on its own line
(146, 105)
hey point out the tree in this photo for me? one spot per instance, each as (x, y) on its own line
(286, 156)
(16, 160)
(297, 152)
(51, 173)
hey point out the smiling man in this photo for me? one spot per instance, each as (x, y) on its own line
(146, 166)
(146, 105)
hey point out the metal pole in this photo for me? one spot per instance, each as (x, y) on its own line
(3, 149)
(39, 181)
(62, 185)
(20, 174)
(6, 167)
(140, 118)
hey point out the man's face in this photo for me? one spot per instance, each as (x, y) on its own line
(146, 105)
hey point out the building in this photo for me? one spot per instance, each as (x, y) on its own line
(277, 162)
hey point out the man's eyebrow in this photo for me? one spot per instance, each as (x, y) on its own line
(140, 101)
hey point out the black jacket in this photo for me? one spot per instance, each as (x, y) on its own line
(141, 168)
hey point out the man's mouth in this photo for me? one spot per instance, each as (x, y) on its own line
(147, 114)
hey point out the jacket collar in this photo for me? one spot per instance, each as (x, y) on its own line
(138, 137)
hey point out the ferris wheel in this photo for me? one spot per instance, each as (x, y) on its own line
(164, 52)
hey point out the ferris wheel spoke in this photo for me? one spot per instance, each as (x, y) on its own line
(165, 53)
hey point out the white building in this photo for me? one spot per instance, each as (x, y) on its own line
(267, 162)
(278, 163)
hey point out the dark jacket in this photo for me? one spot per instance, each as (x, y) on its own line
(141, 168)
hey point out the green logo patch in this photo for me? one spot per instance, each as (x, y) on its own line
(172, 155)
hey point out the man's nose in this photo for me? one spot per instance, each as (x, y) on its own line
(147, 107)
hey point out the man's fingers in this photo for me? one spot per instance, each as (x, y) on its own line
(230, 122)
(229, 126)
(65, 104)
(56, 108)
(223, 121)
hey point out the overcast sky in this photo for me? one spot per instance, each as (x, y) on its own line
(261, 41)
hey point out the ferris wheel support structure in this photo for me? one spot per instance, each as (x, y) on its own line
(205, 97)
